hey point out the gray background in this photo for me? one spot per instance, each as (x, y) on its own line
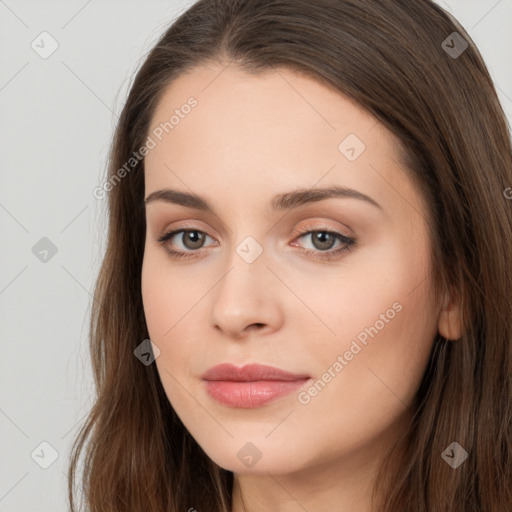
(57, 119)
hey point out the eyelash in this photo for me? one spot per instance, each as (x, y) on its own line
(321, 255)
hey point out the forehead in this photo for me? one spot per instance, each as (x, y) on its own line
(277, 129)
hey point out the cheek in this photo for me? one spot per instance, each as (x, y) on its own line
(175, 319)
(366, 380)
(385, 324)
(384, 338)
(166, 299)
(168, 293)
(380, 292)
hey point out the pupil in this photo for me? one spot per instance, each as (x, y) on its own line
(323, 238)
(198, 238)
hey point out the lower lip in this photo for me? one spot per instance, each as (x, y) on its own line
(248, 395)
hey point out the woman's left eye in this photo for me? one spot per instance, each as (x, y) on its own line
(323, 241)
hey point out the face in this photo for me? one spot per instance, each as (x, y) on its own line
(270, 268)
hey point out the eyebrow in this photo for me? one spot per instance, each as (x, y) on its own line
(286, 201)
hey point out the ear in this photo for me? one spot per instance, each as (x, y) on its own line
(449, 324)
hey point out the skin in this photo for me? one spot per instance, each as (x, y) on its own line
(249, 138)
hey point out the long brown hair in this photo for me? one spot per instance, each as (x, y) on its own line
(399, 60)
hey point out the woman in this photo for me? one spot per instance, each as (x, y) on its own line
(305, 298)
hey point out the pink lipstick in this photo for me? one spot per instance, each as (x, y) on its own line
(250, 386)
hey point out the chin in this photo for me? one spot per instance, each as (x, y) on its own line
(259, 456)
(274, 464)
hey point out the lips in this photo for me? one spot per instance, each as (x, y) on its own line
(250, 372)
(250, 386)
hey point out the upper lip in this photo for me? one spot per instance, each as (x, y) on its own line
(249, 372)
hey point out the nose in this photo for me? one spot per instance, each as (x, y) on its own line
(246, 300)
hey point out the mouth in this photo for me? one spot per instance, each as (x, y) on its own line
(252, 385)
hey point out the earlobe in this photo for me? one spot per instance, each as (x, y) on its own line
(449, 323)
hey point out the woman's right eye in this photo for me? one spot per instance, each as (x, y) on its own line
(194, 238)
